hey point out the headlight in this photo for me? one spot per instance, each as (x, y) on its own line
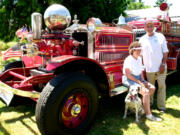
(94, 24)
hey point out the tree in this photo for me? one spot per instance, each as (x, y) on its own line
(106, 10)
(16, 13)
(159, 2)
(136, 5)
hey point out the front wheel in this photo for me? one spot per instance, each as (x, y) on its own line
(67, 105)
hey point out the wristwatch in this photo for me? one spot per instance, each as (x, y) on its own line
(164, 64)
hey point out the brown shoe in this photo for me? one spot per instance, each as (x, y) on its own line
(162, 110)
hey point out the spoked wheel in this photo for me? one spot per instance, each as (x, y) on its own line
(67, 105)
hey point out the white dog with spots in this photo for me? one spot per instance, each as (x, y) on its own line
(133, 102)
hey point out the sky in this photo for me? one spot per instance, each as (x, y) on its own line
(174, 10)
(152, 2)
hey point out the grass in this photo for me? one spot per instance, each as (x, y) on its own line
(20, 120)
(109, 120)
(4, 46)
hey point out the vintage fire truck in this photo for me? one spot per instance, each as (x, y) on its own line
(66, 69)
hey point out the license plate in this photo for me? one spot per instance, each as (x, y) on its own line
(6, 96)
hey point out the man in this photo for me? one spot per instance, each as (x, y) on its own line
(154, 53)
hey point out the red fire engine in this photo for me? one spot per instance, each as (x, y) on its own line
(66, 68)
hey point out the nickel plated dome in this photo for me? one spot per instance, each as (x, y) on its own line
(57, 17)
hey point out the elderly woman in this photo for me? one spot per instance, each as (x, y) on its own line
(132, 70)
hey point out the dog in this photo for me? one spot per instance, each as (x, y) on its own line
(133, 102)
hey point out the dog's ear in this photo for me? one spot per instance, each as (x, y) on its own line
(139, 88)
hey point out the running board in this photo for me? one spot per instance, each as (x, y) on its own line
(118, 90)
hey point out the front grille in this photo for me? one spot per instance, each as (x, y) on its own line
(111, 56)
(115, 40)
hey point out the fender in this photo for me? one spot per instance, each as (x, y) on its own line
(69, 63)
(62, 60)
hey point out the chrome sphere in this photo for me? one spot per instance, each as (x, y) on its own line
(94, 24)
(57, 17)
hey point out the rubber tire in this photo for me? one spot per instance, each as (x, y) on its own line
(15, 64)
(50, 104)
(178, 63)
(173, 78)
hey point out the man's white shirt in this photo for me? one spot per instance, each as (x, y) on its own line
(152, 51)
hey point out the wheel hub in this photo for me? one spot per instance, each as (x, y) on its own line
(76, 109)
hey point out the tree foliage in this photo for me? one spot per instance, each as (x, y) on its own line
(136, 5)
(159, 2)
(16, 13)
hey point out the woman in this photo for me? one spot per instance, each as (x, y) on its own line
(132, 70)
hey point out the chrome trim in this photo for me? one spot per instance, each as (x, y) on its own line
(19, 92)
(90, 46)
(36, 23)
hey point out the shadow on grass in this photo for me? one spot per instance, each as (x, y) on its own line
(109, 120)
(173, 87)
(3, 130)
(21, 118)
(27, 112)
(30, 128)
(109, 117)
(173, 112)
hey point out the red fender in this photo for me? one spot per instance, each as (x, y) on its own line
(62, 60)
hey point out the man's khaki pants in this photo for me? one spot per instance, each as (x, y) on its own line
(161, 94)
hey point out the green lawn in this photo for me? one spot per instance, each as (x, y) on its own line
(109, 120)
(20, 120)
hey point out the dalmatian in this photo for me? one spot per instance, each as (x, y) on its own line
(133, 102)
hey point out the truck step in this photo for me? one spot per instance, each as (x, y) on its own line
(118, 90)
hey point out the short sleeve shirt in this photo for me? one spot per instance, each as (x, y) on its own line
(134, 65)
(152, 51)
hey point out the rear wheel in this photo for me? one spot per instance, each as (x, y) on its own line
(67, 105)
(178, 63)
(172, 79)
(15, 64)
